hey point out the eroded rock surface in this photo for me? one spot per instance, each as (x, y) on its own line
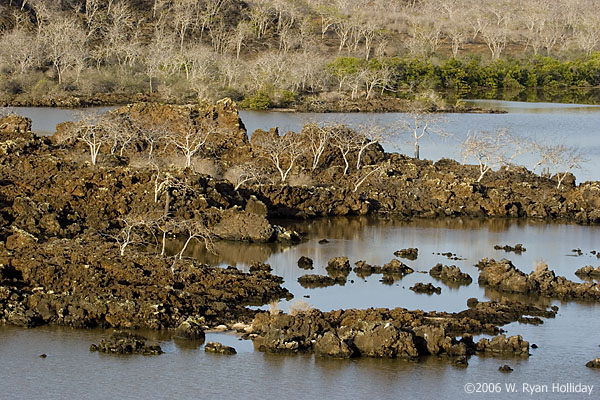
(392, 333)
(451, 275)
(503, 275)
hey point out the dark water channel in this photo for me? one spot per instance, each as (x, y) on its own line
(565, 343)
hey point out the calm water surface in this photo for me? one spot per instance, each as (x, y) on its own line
(572, 124)
(565, 343)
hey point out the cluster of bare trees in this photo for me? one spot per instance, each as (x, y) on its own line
(118, 134)
(537, 25)
(306, 150)
(282, 44)
(499, 148)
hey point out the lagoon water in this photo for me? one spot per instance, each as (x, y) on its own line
(565, 343)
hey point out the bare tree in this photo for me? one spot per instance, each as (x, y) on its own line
(184, 15)
(491, 149)
(195, 229)
(241, 33)
(316, 138)
(64, 41)
(371, 134)
(366, 175)
(346, 141)
(90, 131)
(191, 138)
(561, 158)
(20, 50)
(118, 132)
(158, 53)
(421, 123)
(282, 151)
(243, 173)
(127, 235)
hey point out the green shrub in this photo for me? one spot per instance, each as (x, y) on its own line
(260, 101)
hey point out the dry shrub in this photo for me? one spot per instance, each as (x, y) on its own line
(207, 167)
(300, 179)
(540, 265)
(274, 307)
(299, 307)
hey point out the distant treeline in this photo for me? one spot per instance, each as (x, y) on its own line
(277, 52)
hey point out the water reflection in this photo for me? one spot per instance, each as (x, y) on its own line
(375, 240)
(227, 252)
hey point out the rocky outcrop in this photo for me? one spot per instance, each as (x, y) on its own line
(244, 226)
(338, 268)
(305, 263)
(390, 333)
(260, 267)
(14, 126)
(362, 269)
(126, 343)
(392, 271)
(505, 368)
(311, 281)
(62, 282)
(428, 288)
(191, 329)
(595, 363)
(450, 275)
(504, 276)
(514, 345)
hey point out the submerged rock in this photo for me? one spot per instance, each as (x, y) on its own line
(311, 281)
(126, 343)
(504, 276)
(518, 248)
(595, 363)
(420, 287)
(216, 347)
(505, 368)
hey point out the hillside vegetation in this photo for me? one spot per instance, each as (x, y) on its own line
(280, 53)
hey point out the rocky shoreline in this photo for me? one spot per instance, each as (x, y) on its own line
(84, 245)
(313, 104)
